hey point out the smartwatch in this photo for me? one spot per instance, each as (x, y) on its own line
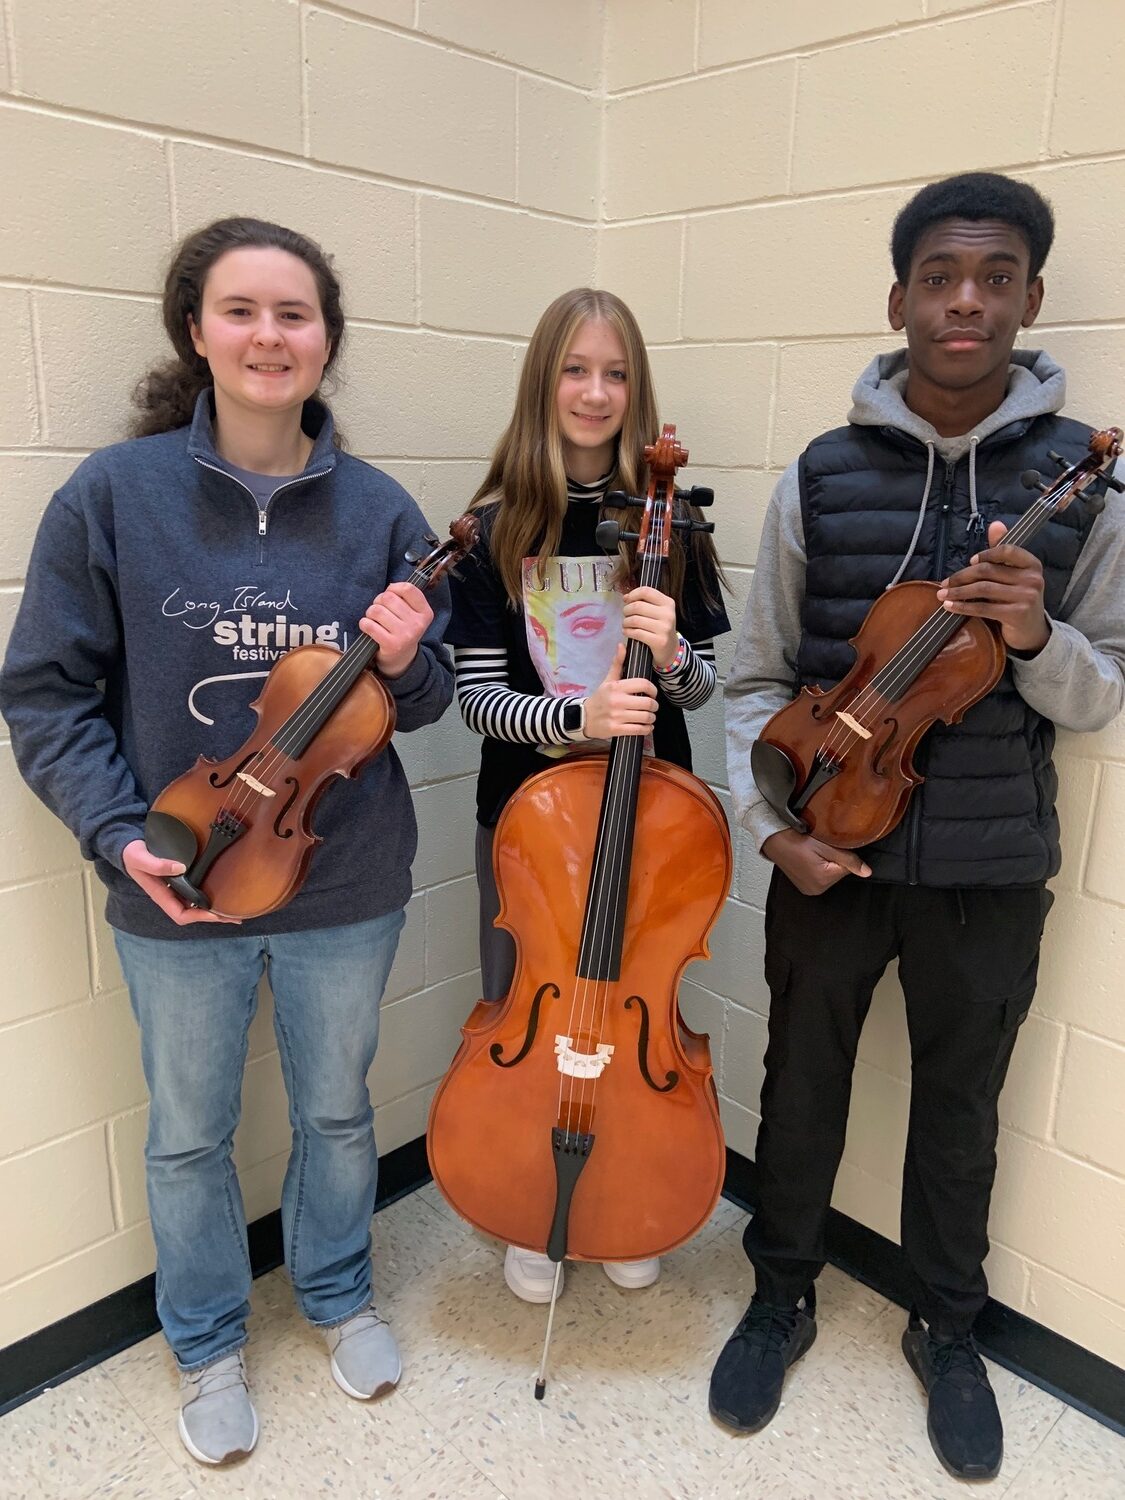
(574, 716)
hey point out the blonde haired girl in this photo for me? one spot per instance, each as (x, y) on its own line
(540, 615)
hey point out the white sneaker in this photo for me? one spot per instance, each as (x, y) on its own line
(632, 1274)
(530, 1275)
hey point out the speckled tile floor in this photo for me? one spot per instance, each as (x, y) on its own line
(625, 1414)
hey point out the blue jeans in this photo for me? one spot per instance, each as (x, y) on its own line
(194, 1000)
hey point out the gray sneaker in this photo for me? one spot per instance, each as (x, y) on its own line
(365, 1358)
(218, 1422)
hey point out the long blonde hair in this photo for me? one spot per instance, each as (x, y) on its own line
(526, 479)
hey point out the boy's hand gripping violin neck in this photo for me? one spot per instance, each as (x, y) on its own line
(838, 764)
(242, 826)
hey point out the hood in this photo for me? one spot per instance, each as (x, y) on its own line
(1036, 387)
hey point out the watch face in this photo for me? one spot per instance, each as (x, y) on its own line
(572, 717)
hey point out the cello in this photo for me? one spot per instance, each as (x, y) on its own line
(242, 826)
(596, 1101)
(838, 764)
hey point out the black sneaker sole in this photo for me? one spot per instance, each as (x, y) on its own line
(744, 1429)
(970, 1471)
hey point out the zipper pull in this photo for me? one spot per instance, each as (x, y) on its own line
(261, 522)
(976, 532)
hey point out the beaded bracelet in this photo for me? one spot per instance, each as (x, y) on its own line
(677, 661)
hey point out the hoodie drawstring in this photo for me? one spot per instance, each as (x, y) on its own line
(976, 520)
(921, 515)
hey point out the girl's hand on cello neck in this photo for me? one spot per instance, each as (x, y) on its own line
(397, 620)
(650, 616)
(621, 707)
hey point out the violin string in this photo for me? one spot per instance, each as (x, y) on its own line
(337, 682)
(902, 664)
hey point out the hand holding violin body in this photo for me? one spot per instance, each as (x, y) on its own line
(151, 873)
(1004, 584)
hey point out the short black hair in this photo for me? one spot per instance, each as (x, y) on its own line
(974, 195)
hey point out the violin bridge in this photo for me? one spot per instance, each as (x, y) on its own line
(581, 1064)
(853, 724)
(255, 785)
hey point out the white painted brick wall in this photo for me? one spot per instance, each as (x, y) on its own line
(732, 171)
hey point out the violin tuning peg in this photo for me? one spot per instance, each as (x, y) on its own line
(418, 550)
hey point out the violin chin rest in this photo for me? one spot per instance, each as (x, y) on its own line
(169, 838)
(776, 779)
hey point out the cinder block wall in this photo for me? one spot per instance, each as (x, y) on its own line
(448, 156)
(732, 171)
(755, 156)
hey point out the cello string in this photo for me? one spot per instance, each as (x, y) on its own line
(629, 777)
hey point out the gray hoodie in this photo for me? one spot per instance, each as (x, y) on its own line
(1077, 680)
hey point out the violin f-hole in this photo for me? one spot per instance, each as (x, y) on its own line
(214, 780)
(286, 833)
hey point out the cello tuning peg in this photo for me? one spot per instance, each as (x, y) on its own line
(608, 535)
(699, 494)
(1113, 483)
(1057, 458)
(1031, 479)
(1095, 502)
(620, 498)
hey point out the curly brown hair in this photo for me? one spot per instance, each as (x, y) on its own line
(166, 395)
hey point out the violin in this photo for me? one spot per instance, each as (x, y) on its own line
(579, 1116)
(243, 826)
(839, 763)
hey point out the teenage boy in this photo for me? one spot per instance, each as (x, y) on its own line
(923, 482)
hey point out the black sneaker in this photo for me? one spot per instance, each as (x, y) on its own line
(750, 1371)
(964, 1422)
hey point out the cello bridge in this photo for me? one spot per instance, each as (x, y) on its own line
(581, 1064)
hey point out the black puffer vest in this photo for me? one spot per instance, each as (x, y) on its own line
(985, 814)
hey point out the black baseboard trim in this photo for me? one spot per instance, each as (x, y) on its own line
(1057, 1365)
(1064, 1369)
(113, 1323)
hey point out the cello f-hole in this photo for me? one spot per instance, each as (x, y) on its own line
(671, 1077)
(497, 1048)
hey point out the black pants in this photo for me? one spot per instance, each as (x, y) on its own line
(967, 963)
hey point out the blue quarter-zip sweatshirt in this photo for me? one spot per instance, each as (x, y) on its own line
(159, 595)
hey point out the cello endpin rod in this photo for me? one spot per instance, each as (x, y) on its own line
(541, 1378)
